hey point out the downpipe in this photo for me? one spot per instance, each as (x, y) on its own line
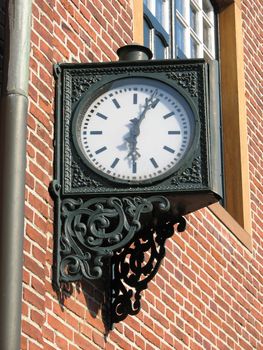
(14, 109)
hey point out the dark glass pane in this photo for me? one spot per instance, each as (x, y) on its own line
(179, 6)
(193, 15)
(207, 6)
(159, 48)
(206, 35)
(193, 45)
(180, 36)
(159, 11)
(146, 34)
(154, 31)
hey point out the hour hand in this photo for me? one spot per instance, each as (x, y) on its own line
(134, 131)
(133, 150)
(134, 154)
(135, 128)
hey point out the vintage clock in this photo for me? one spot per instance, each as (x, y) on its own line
(135, 130)
(136, 145)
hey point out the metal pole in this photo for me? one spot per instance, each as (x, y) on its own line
(14, 104)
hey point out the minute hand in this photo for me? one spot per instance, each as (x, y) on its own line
(149, 103)
(136, 122)
(135, 127)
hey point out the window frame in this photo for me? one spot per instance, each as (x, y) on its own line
(171, 18)
(236, 216)
(156, 30)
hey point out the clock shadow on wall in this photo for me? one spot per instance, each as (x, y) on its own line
(135, 150)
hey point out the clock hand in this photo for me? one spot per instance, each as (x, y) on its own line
(136, 122)
(135, 126)
(149, 103)
(132, 141)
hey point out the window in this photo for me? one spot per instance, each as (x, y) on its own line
(236, 215)
(180, 28)
(156, 28)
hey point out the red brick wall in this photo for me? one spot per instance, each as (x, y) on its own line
(253, 58)
(207, 292)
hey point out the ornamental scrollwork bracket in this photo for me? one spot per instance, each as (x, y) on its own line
(135, 265)
(94, 229)
(118, 240)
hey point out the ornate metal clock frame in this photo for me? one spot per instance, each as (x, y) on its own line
(98, 220)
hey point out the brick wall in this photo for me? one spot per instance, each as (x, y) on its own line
(207, 292)
(253, 58)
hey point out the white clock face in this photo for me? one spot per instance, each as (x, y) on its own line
(136, 130)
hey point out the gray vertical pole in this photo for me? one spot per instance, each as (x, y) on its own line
(14, 103)
(134, 52)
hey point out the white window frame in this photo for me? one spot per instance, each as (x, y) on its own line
(168, 21)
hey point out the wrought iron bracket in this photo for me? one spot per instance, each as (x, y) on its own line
(90, 230)
(135, 266)
(130, 232)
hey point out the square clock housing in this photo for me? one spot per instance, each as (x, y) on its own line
(139, 128)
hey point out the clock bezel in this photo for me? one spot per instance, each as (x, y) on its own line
(97, 90)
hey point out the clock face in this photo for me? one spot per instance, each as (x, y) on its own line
(135, 130)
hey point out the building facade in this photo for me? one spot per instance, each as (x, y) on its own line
(207, 293)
